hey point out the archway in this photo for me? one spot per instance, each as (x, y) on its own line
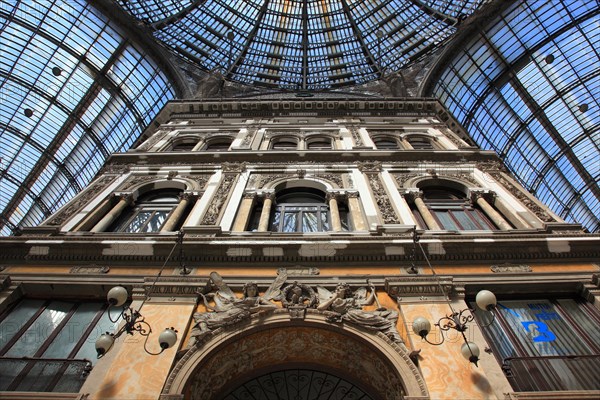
(272, 345)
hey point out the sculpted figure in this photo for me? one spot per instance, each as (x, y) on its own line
(343, 305)
(229, 309)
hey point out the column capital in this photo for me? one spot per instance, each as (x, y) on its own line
(411, 194)
(267, 194)
(353, 194)
(487, 195)
(250, 195)
(127, 196)
(187, 195)
(334, 195)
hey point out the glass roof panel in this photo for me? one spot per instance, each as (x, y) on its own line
(539, 108)
(62, 65)
(302, 44)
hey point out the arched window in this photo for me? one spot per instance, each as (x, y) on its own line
(385, 143)
(284, 144)
(184, 145)
(319, 143)
(420, 142)
(300, 210)
(149, 213)
(452, 210)
(219, 144)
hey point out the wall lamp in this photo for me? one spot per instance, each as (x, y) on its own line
(134, 322)
(458, 321)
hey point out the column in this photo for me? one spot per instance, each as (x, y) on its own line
(334, 211)
(176, 215)
(406, 144)
(510, 213)
(241, 221)
(358, 219)
(490, 212)
(265, 214)
(425, 213)
(94, 216)
(112, 215)
(199, 145)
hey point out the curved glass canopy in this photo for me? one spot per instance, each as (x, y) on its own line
(301, 44)
(73, 89)
(528, 87)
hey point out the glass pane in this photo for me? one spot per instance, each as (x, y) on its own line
(310, 223)
(156, 221)
(446, 220)
(88, 348)
(137, 224)
(275, 221)
(70, 334)
(36, 335)
(584, 322)
(465, 222)
(17, 318)
(289, 222)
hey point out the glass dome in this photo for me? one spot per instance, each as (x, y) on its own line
(302, 44)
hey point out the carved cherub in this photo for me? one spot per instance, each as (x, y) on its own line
(343, 305)
(229, 309)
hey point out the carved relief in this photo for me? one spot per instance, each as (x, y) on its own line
(381, 198)
(201, 180)
(156, 137)
(259, 181)
(299, 271)
(358, 142)
(212, 213)
(508, 267)
(81, 201)
(369, 166)
(233, 167)
(335, 178)
(90, 269)
(402, 178)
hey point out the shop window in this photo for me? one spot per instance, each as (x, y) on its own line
(221, 144)
(149, 213)
(453, 211)
(385, 143)
(284, 144)
(546, 344)
(420, 142)
(320, 143)
(49, 345)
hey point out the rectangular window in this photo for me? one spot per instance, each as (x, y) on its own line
(547, 345)
(49, 345)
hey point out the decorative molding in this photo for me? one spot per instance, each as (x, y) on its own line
(219, 198)
(81, 201)
(298, 271)
(259, 181)
(382, 199)
(137, 180)
(358, 142)
(201, 180)
(403, 177)
(90, 269)
(369, 166)
(229, 168)
(418, 286)
(510, 268)
(148, 144)
(174, 286)
(335, 178)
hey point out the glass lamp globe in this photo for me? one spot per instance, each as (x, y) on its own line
(421, 326)
(470, 351)
(167, 338)
(485, 300)
(117, 296)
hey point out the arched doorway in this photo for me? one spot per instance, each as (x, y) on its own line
(272, 348)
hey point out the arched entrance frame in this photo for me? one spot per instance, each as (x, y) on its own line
(392, 360)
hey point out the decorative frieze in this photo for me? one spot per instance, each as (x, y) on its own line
(156, 137)
(510, 268)
(219, 198)
(382, 199)
(259, 181)
(335, 178)
(369, 166)
(81, 201)
(299, 271)
(358, 142)
(201, 180)
(228, 167)
(90, 269)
